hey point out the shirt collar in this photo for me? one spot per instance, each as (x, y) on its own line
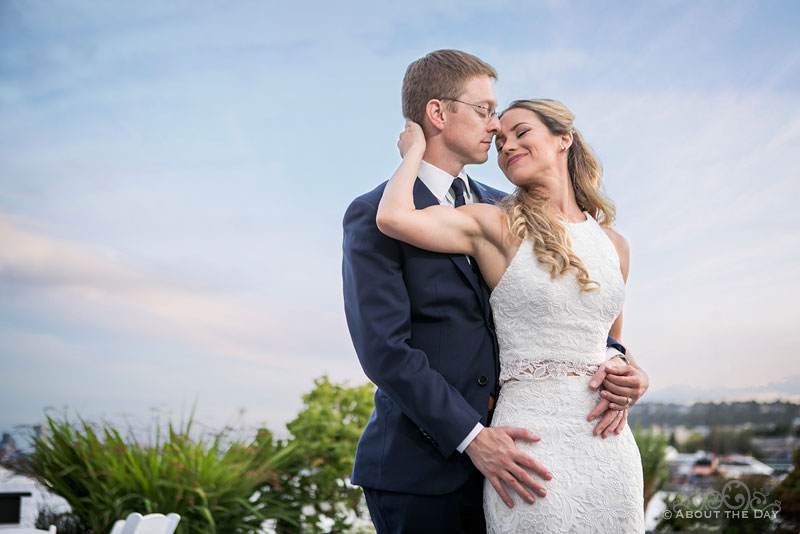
(439, 181)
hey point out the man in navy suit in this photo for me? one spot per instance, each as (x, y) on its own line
(422, 328)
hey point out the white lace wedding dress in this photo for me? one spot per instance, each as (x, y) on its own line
(552, 337)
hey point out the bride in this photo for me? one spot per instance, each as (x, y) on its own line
(557, 274)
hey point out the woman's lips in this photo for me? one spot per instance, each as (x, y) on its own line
(513, 159)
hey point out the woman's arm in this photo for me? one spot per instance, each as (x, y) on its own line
(436, 228)
(624, 384)
(624, 253)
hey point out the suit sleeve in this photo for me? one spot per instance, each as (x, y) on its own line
(611, 342)
(378, 314)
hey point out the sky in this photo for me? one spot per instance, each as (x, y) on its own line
(173, 177)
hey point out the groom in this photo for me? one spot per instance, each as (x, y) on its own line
(422, 328)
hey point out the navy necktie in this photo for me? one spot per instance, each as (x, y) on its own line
(458, 189)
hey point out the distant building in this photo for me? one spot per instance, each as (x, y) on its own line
(685, 468)
(681, 466)
(737, 466)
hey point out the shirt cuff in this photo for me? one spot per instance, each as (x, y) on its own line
(613, 352)
(472, 435)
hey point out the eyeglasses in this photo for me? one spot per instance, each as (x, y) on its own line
(486, 112)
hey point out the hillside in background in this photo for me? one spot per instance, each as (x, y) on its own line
(776, 416)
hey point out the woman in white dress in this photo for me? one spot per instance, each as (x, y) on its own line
(557, 274)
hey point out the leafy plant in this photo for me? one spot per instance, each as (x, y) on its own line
(219, 486)
(788, 492)
(325, 434)
(736, 506)
(653, 450)
(65, 523)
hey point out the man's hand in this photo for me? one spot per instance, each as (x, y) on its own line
(495, 454)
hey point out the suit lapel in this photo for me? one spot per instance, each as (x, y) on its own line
(461, 262)
(481, 195)
(477, 190)
(423, 198)
(485, 197)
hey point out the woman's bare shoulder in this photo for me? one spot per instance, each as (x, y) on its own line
(623, 249)
(618, 239)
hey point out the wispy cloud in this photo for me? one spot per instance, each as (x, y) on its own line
(115, 293)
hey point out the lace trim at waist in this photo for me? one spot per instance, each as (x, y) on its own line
(527, 370)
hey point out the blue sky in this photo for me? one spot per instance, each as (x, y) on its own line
(173, 177)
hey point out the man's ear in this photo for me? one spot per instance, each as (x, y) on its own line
(435, 114)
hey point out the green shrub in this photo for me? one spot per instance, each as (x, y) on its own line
(324, 435)
(65, 522)
(788, 492)
(653, 450)
(219, 485)
(735, 506)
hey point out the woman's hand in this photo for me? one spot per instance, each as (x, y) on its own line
(466, 230)
(412, 140)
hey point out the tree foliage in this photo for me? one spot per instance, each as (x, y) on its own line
(653, 450)
(723, 441)
(715, 413)
(737, 506)
(324, 439)
(788, 492)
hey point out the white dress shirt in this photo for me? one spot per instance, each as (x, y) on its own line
(440, 183)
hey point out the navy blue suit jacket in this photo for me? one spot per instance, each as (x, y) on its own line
(422, 327)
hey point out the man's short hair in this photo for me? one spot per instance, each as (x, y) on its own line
(440, 74)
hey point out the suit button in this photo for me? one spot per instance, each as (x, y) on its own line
(482, 380)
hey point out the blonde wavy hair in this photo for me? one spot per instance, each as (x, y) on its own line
(530, 214)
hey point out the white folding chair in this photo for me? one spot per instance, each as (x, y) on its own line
(149, 524)
(118, 526)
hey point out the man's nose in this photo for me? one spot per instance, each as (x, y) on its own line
(494, 124)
